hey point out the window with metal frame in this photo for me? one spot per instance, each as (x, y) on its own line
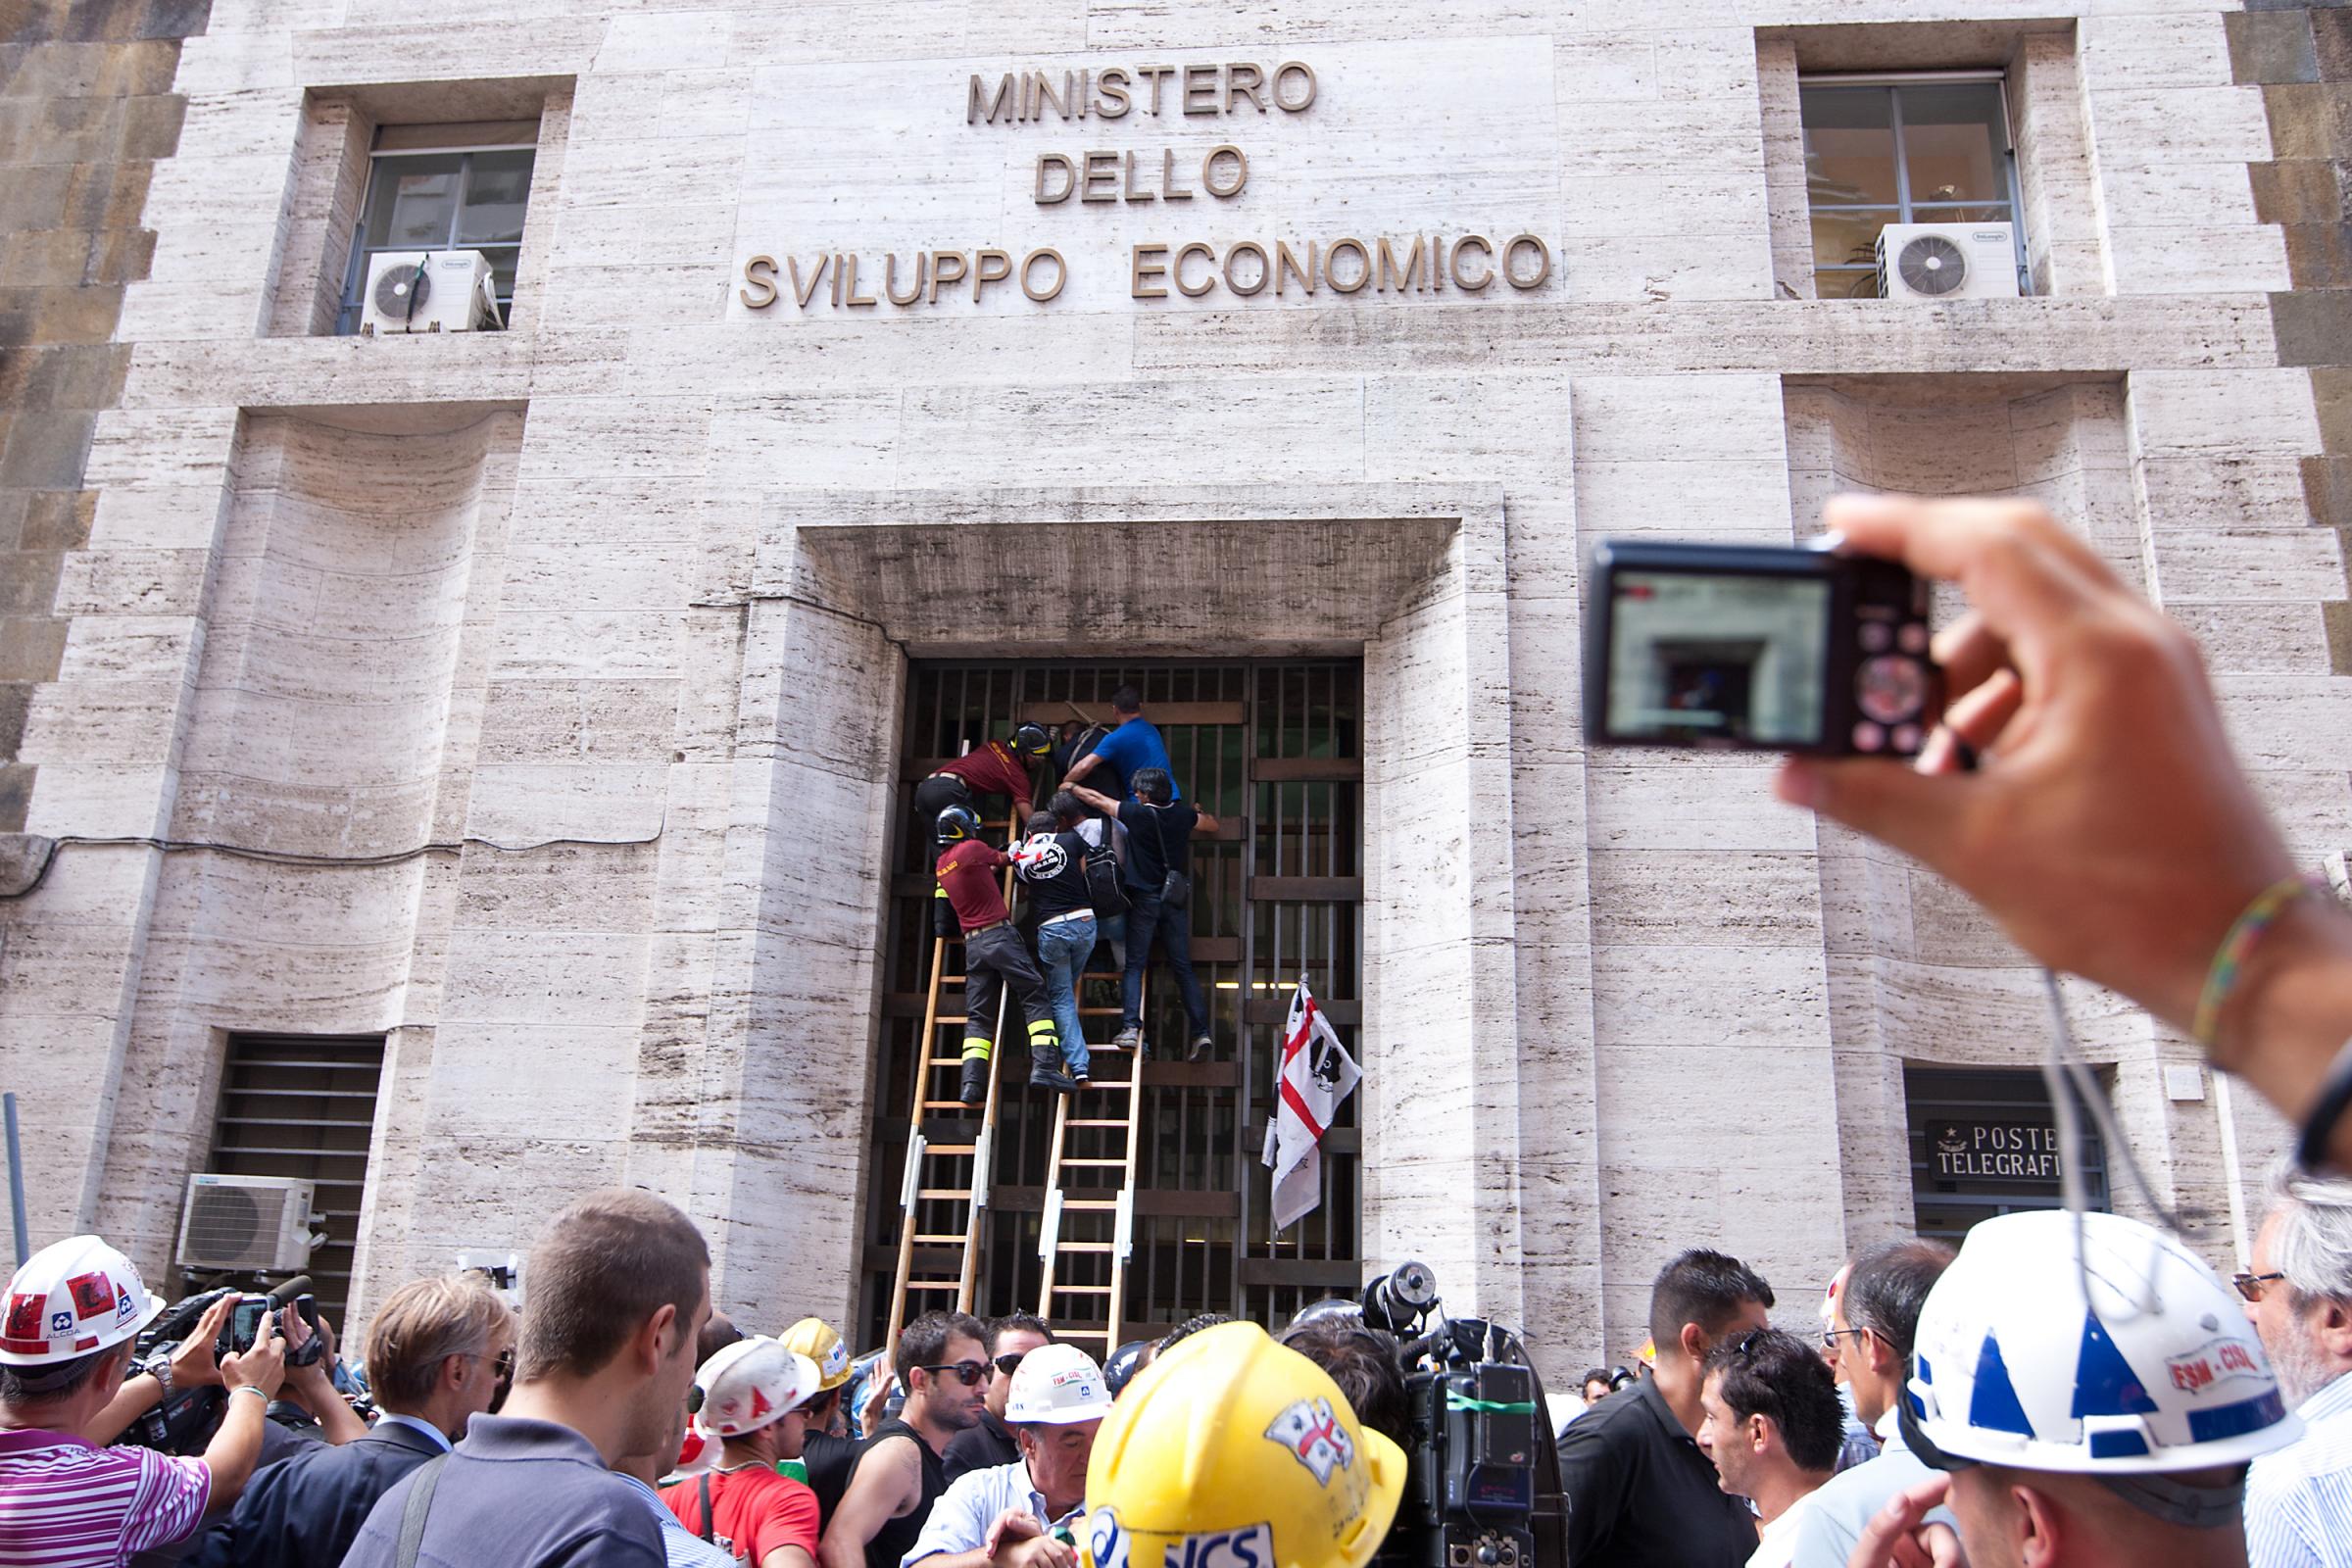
(304, 1106)
(1931, 148)
(1984, 1142)
(444, 187)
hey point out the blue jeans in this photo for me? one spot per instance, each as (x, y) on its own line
(1062, 948)
(1145, 920)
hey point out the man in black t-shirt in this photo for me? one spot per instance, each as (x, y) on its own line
(1051, 867)
(1159, 840)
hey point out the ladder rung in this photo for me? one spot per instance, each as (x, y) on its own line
(953, 1239)
(943, 1022)
(1089, 1203)
(957, 1148)
(1079, 1331)
(1104, 1012)
(958, 1194)
(1082, 1289)
(935, 1284)
(950, 1105)
(1097, 1121)
(1114, 1163)
(1076, 1246)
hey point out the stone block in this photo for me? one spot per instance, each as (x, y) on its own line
(74, 377)
(151, 126)
(57, 519)
(30, 584)
(2275, 46)
(2314, 328)
(16, 795)
(34, 196)
(16, 701)
(47, 450)
(2309, 120)
(2331, 36)
(30, 646)
(2302, 190)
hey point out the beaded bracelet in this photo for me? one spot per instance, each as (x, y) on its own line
(2222, 978)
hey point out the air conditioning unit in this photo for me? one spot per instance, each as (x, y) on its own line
(245, 1222)
(428, 291)
(502, 1268)
(1947, 262)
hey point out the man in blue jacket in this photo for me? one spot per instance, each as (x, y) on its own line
(439, 1352)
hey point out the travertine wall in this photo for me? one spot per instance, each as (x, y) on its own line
(607, 615)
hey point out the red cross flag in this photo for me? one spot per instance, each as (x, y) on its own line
(1317, 1073)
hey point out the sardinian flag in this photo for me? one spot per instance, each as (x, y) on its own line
(1317, 1073)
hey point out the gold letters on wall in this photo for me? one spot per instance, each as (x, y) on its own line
(1469, 264)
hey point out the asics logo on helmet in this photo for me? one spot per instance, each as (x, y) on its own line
(1312, 1433)
(1250, 1546)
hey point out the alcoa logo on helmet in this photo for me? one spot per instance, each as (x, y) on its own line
(1315, 1438)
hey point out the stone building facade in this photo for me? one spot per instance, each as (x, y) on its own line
(530, 699)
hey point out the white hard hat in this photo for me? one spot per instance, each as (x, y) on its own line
(71, 1299)
(2157, 1370)
(1057, 1385)
(751, 1384)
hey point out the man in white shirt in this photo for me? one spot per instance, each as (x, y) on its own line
(1876, 1314)
(1772, 1425)
(2298, 1290)
(1009, 1515)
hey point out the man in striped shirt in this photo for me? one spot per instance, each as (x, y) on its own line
(72, 1317)
(2299, 1291)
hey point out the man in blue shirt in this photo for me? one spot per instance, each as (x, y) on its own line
(1133, 746)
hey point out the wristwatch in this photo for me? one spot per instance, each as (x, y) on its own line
(159, 1367)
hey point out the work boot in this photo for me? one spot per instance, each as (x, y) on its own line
(1130, 1038)
(1045, 1075)
(975, 1083)
(1202, 1045)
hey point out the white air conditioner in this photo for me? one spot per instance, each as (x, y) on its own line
(428, 291)
(245, 1222)
(1947, 262)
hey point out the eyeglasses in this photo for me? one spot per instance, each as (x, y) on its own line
(502, 1366)
(1830, 1337)
(968, 1373)
(1747, 1342)
(2250, 1285)
(1009, 1362)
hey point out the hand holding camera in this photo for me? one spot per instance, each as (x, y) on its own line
(263, 1366)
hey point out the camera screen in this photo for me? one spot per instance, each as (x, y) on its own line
(1739, 658)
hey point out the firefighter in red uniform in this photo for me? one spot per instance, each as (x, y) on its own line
(997, 768)
(993, 957)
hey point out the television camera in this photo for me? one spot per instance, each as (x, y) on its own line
(185, 1420)
(1482, 1474)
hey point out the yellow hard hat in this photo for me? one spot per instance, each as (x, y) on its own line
(814, 1339)
(1232, 1451)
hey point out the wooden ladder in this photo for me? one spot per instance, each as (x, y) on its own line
(942, 1193)
(1089, 1229)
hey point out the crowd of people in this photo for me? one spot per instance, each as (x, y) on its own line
(1094, 867)
(2066, 1389)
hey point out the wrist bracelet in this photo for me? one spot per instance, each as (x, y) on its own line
(2221, 977)
(247, 1388)
(2335, 1095)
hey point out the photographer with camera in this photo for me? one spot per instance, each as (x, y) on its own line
(1640, 1492)
(73, 1314)
(439, 1352)
(2108, 829)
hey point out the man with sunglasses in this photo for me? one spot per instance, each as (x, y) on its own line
(2298, 1292)
(440, 1351)
(900, 1471)
(990, 1443)
(1876, 1315)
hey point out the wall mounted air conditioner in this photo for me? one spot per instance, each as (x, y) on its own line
(502, 1268)
(428, 291)
(1947, 262)
(245, 1222)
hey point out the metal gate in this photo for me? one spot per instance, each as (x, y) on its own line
(1273, 749)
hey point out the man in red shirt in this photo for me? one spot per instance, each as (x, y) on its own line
(753, 1398)
(997, 767)
(993, 957)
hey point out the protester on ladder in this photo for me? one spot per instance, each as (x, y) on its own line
(994, 957)
(1051, 867)
(997, 768)
(1004, 1515)
(1159, 839)
(1132, 745)
(900, 1471)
